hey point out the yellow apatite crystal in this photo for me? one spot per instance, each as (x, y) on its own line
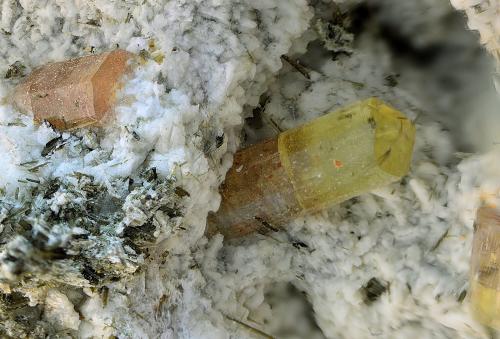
(311, 167)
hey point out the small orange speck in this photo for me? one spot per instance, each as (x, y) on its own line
(491, 205)
(338, 164)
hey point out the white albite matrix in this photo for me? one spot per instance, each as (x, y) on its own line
(393, 263)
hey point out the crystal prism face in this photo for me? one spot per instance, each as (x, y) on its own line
(257, 195)
(485, 268)
(346, 153)
(74, 93)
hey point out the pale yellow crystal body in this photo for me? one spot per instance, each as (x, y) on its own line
(346, 153)
(311, 167)
(73, 93)
(485, 268)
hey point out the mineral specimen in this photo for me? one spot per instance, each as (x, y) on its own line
(73, 93)
(309, 168)
(485, 278)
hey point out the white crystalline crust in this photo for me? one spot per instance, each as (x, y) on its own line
(219, 56)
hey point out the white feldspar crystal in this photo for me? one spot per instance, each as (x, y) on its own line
(60, 312)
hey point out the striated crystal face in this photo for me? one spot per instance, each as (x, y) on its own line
(485, 267)
(73, 93)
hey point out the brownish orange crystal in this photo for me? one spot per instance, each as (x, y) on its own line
(257, 194)
(73, 93)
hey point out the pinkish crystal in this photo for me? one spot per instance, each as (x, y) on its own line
(73, 93)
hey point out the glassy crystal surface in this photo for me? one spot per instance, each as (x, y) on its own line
(485, 265)
(257, 194)
(346, 153)
(73, 93)
(309, 168)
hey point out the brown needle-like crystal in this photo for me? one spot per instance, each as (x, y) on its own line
(73, 93)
